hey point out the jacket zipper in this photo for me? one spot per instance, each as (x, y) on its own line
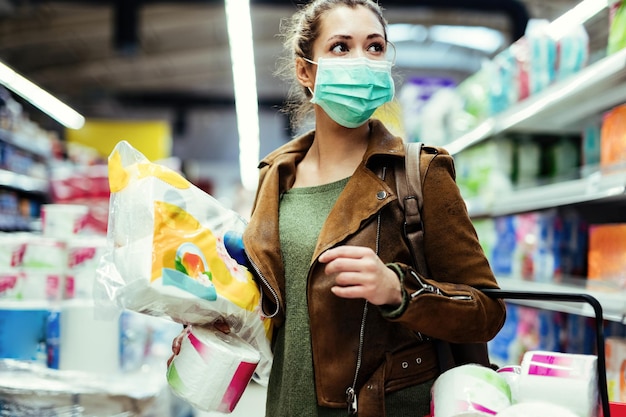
(351, 397)
(431, 289)
(269, 287)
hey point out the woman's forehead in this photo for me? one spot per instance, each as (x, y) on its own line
(348, 21)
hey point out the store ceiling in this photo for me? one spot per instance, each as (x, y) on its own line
(100, 56)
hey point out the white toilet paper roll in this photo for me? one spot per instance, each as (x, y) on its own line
(212, 369)
(565, 379)
(86, 343)
(469, 390)
(535, 409)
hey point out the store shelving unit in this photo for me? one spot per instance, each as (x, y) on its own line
(27, 183)
(563, 107)
(559, 108)
(594, 187)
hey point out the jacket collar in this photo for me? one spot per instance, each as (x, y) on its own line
(365, 194)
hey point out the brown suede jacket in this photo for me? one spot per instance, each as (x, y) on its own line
(456, 311)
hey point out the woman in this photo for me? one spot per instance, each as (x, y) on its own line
(353, 323)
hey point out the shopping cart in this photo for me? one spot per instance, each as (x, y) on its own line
(599, 328)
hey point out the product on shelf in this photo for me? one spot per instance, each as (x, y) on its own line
(591, 149)
(63, 220)
(542, 55)
(572, 52)
(607, 264)
(617, 26)
(86, 185)
(485, 170)
(414, 94)
(616, 368)
(613, 138)
(23, 331)
(83, 257)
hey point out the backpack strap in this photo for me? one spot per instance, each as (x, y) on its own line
(409, 190)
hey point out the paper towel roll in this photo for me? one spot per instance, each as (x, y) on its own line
(565, 379)
(86, 343)
(535, 409)
(469, 390)
(212, 369)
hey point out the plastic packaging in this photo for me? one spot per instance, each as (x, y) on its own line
(169, 254)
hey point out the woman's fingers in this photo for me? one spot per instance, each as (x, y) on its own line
(219, 325)
(222, 326)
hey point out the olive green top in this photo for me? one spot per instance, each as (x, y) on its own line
(291, 388)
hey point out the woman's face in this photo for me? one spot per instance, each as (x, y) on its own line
(350, 33)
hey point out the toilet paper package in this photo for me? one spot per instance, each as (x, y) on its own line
(212, 369)
(468, 391)
(565, 379)
(511, 376)
(174, 251)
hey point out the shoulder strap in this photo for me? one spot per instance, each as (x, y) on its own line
(409, 189)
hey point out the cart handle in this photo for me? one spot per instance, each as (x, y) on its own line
(573, 297)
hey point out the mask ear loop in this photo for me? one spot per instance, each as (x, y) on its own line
(310, 62)
(393, 60)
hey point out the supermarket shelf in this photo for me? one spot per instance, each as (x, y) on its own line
(34, 388)
(22, 182)
(41, 148)
(597, 186)
(613, 301)
(561, 106)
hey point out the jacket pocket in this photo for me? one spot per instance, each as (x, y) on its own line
(411, 366)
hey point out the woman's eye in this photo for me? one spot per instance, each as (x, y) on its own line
(376, 48)
(339, 48)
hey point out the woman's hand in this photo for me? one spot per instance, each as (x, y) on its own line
(359, 273)
(220, 325)
(176, 345)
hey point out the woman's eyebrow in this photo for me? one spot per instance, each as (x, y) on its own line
(348, 37)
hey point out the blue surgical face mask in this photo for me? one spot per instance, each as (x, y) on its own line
(351, 89)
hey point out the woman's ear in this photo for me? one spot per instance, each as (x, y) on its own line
(305, 73)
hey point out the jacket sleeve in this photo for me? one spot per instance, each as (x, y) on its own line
(448, 304)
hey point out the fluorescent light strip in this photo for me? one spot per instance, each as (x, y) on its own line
(244, 77)
(40, 98)
(579, 14)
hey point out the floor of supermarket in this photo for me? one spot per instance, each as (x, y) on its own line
(251, 404)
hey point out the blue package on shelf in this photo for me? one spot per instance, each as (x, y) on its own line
(23, 331)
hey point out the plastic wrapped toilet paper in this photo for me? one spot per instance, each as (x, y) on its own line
(511, 376)
(212, 370)
(535, 409)
(170, 253)
(469, 390)
(564, 379)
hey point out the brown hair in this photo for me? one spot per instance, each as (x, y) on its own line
(299, 33)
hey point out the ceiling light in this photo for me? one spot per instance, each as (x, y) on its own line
(478, 38)
(244, 79)
(474, 37)
(40, 98)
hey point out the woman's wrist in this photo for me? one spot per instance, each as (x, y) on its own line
(393, 311)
